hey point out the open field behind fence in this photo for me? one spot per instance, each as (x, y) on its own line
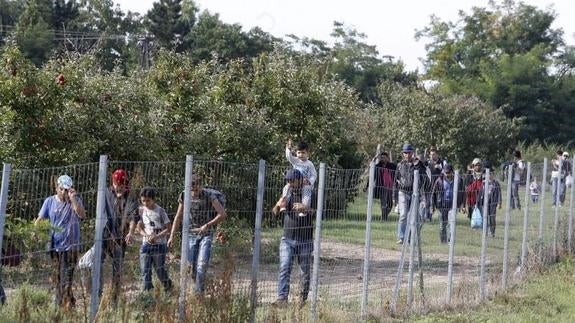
(358, 271)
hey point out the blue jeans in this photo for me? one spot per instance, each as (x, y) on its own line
(199, 252)
(288, 250)
(154, 255)
(427, 214)
(404, 204)
(443, 224)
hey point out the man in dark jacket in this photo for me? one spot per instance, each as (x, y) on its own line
(404, 183)
(442, 198)
(121, 218)
(384, 175)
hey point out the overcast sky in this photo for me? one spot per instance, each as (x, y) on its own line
(390, 25)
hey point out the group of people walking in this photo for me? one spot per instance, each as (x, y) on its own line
(394, 186)
(128, 215)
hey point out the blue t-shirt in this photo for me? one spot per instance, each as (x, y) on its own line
(62, 216)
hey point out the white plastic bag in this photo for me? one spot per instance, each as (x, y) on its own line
(569, 180)
(476, 219)
(87, 259)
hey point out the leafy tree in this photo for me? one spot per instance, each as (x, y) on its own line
(226, 111)
(211, 36)
(33, 31)
(9, 12)
(110, 33)
(167, 22)
(504, 55)
(354, 61)
(461, 127)
(64, 13)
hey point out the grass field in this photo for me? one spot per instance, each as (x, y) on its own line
(543, 297)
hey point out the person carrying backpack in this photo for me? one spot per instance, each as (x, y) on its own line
(404, 184)
(207, 211)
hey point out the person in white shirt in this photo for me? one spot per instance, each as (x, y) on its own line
(534, 190)
(301, 162)
(154, 226)
(518, 169)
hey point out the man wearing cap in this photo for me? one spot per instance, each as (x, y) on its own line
(404, 184)
(64, 211)
(474, 185)
(518, 170)
(297, 239)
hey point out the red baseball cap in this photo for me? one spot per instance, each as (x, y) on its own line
(119, 176)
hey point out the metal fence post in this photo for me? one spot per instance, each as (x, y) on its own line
(185, 237)
(570, 227)
(6, 170)
(542, 203)
(367, 255)
(397, 286)
(100, 223)
(485, 215)
(451, 218)
(525, 220)
(317, 240)
(413, 235)
(506, 232)
(557, 202)
(257, 237)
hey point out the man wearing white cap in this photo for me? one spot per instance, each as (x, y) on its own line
(64, 211)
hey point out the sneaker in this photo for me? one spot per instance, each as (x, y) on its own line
(400, 241)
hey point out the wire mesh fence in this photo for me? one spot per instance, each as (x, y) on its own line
(265, 261)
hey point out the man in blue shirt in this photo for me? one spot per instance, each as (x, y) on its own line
(64, 211)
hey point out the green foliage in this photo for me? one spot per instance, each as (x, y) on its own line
(25, 234)
(33, 32)
(31, 304)
(170, 24)
(537, 151)
(504, 55)
(461, 127)
(355, 62)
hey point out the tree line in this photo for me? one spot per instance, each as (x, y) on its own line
(83, 78)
